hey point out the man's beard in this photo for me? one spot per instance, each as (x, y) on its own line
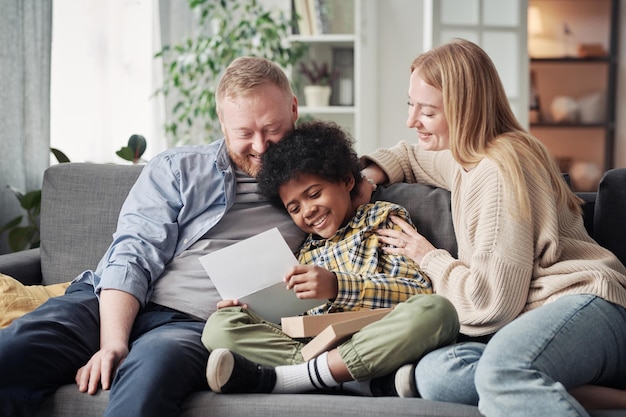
(243, 162)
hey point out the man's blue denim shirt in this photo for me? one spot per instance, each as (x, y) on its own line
(179, 196)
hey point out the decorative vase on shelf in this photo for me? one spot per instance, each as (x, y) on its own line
(317, 95)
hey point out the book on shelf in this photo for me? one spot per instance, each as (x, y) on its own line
(337, 333)
(315, 16)
(312, 17)
(303, 18)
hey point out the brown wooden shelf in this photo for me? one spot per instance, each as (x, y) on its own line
(570, 125)
(569, 60)
(580, 77)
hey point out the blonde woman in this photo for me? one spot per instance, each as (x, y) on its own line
(541, 305)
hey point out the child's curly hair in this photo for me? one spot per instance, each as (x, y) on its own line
(316, 147)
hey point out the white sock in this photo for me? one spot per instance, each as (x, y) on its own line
(311, 375)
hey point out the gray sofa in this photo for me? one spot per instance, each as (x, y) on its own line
(80, 204)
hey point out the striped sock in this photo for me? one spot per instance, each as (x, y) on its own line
(308, 376)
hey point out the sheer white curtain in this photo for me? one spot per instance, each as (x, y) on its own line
(79, 76)
(104, 77)
(25, 28)
(178, 22)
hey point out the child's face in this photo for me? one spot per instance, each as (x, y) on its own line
(317, 205)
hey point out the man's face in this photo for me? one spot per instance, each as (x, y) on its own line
(250, 123)
(317, 205)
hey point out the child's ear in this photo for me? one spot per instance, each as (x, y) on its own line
(349, 181)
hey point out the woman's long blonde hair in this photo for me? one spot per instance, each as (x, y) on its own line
(482, 124)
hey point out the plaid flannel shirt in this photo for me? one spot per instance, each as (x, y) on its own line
(368, 278)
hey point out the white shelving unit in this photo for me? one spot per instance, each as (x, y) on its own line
(352, 26)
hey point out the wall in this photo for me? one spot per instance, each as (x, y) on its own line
(400, 41)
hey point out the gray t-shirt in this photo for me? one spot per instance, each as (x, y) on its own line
(185, 286)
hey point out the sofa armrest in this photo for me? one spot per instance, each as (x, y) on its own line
(24, 266)
(609, 224)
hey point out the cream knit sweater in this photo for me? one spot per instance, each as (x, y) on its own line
(505, 266)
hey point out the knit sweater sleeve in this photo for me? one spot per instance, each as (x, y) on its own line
(409, 163)
(490, 281)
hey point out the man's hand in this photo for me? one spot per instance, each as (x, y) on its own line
(100, 369)
(118, 310)
(312, 281)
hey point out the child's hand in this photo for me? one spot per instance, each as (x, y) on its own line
(311, 281)
(230, 303)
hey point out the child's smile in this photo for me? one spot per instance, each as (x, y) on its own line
(317, 205)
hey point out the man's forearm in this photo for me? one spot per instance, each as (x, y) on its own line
(118, 310)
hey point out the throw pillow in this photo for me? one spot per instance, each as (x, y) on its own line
(429, 208)
(17, 299)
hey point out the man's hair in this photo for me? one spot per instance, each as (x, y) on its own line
(245, 74)
(317, 148)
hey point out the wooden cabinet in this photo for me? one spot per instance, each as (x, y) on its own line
(340, 39)
(573, 63)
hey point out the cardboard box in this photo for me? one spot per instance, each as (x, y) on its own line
(311, 326)
(336, 333)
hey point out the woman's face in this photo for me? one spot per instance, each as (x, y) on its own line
(426, 115)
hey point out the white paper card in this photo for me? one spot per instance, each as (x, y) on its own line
(252, 271)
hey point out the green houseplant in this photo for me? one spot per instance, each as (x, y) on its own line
(228, 29)
(22, 236)
(134, 150)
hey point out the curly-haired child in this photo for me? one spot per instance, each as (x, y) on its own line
(314, 174)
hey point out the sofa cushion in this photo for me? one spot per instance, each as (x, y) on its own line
(429, 208)
(79, 209)
(68, 402)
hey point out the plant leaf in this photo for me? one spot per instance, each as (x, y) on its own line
(17, 192)
(31, 200)
(125, 153)
(11, 224)
(137, 144)
(20, 237)
(60, 156)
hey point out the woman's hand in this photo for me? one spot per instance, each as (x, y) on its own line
(407, 242)
(312, 281)
(230, 303)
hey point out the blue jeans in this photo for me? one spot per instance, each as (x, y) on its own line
(43, 350)
(528, 366)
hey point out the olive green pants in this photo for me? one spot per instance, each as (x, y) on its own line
(413, 328)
